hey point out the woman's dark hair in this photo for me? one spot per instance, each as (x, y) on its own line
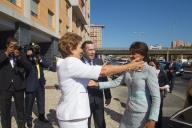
(140, 48)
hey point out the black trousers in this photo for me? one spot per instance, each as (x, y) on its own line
(159, 123)
(5, 107)
(97, 110)
(172, 82)
(39, 95)
(171, 77)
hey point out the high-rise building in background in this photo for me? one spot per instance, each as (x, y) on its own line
(96, 35)
(180, 44)
(43, 21)
(177, 43)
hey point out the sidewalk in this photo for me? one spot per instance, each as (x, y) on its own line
(113, 112)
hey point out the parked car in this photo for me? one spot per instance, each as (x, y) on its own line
(187, 64)
(180, 70)
(181, 119)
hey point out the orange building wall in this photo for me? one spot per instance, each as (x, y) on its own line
(63, 16)
(42, 17)
(19, 7)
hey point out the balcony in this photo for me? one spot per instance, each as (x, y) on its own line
(78, 8)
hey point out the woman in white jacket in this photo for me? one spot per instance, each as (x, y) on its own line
(73, 109)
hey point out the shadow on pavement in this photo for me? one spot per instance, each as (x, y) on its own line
(51, 116)
(122, 104)
(113, 114)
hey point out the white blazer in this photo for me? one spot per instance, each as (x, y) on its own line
(73, 76)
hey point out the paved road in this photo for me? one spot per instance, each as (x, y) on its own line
(173, 102)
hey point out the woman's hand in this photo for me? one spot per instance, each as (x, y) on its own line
(136, 64)
(150, 124)
(93, 84)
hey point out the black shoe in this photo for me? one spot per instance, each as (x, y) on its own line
(29, 124)
(43, 119)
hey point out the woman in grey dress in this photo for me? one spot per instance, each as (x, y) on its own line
(143, 102)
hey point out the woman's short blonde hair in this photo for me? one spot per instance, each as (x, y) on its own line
(68, 42)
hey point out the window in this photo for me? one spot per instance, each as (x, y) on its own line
(67, 28)
(60, 23)
(50, 18)
(13, 1)
(34, 7)
(81, 3)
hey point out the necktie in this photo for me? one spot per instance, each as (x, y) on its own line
(90, 62)
(38, 71)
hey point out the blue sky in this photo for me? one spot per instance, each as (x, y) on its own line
(151, 21)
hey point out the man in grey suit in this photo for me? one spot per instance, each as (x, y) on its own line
(95, 95)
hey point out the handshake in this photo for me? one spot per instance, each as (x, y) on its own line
(93, 84)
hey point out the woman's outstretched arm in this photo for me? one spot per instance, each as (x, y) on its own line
(108, 70)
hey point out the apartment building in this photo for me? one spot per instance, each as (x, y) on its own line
(96, 35)
(43, 21)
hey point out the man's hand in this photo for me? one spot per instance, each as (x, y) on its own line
(150, 124)
(107, 101)
(92, 83)
(29, 52)
(8, 52)
(17, 52)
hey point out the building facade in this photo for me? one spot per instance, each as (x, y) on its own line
(96, 35)
(157, 46)
(43, 21)
(181, 44)
(177, 44)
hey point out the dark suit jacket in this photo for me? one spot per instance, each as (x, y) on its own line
(168, 68)
(162, 78)
(96, 92)
(14, 75)
(32, 82)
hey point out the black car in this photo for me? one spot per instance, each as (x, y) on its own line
(181, 119)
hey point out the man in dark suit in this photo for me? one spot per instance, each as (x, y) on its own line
(171, 73)
(95, 95)
(14, 66)
(35, 86)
